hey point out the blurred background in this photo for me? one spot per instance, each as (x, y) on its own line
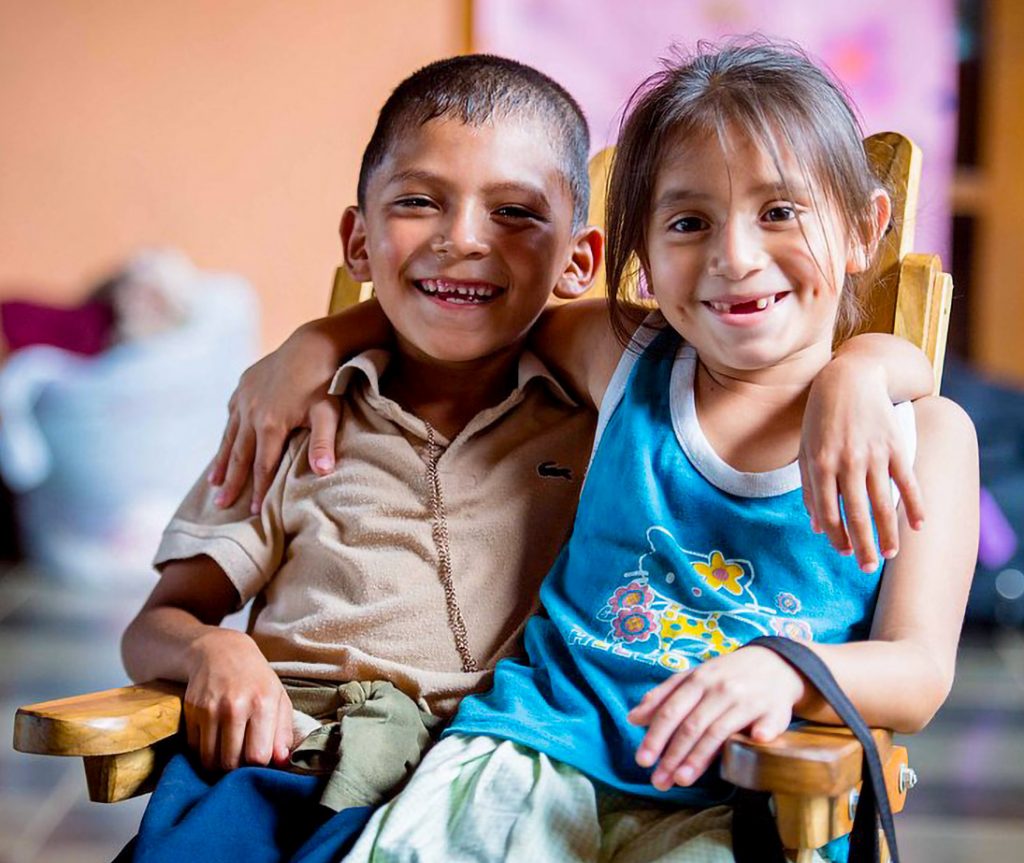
(171, 179)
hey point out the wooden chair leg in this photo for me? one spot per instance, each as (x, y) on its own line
(112, 778)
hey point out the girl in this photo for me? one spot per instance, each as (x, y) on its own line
(742, 192)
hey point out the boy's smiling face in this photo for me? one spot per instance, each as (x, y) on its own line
(465, 232)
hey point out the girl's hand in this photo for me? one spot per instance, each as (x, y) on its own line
(694, 712)
(285, 390)
(849, 449)
(236, 710)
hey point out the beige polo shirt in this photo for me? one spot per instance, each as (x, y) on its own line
(346, 567)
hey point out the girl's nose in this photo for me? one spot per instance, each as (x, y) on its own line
(738, 251)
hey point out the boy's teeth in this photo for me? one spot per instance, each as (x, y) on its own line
(455, 291)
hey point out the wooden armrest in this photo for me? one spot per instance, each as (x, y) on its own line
(814, 774)
(111, 722)
(812, 759)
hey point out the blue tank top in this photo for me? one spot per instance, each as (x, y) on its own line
(675, 557)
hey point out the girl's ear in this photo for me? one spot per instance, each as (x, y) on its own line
(353, 244)
(861, 254)
(583, 264)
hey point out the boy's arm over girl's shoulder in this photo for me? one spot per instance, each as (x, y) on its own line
(849, 447)
(900, 677)
(897, 679)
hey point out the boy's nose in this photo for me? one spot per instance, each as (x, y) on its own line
(738, 251)
(465, 237)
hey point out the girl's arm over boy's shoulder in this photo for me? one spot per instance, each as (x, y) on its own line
(902, 675)
(286, 390)
(897, 679)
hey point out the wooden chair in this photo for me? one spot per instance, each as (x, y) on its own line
(125, 735)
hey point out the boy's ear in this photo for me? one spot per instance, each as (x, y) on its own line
(353, 244)
(584, 261)
(860, 254)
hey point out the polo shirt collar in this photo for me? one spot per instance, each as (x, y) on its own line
(371, 365)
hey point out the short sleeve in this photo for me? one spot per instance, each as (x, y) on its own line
(249, 548)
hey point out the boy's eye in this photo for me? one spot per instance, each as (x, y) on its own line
(515, 211)
(414, 201)
(689, 225)
(783, 213)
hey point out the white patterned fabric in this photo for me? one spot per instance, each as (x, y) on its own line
(478, 799)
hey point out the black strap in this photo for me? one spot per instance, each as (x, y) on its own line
(753, 841)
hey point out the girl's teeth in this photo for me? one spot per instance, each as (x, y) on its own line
(761, 304)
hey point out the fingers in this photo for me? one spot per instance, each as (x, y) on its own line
(324, 418)
(827, 516)
(910, 492)
(232, 729)
(227, 442)
(270, 441)
(283, 737)
(807, 491)
(883, 511)
(239, 463)
(644, 712)
(203, 732)
(858, 520)
(673, 712)
(261, 733)
(238, 730)
(193, 730)
(770, 726)
(699, 739)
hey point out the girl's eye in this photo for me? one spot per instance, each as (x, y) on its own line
(780, 214)
(689, 225)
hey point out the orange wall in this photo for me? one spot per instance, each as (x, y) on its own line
(230, 129)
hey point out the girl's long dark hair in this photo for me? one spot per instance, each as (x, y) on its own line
(767, 92)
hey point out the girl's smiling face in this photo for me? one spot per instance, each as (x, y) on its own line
(746, 263)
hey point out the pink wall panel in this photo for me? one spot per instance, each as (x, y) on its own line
(899, 68)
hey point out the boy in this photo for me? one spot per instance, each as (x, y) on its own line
(401, 572)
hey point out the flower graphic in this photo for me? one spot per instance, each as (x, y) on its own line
(633, 595)
(721, 573)
(787, 603)
(633, 624)
(798, 630)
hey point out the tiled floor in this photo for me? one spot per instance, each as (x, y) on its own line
(56, 640)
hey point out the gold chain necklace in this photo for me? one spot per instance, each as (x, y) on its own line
(439, 531)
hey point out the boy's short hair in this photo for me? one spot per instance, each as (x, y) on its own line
(474, 89)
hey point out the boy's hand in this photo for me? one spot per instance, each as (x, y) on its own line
(849, 449)
(285, 390)
(236, 710)
(693, 713)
